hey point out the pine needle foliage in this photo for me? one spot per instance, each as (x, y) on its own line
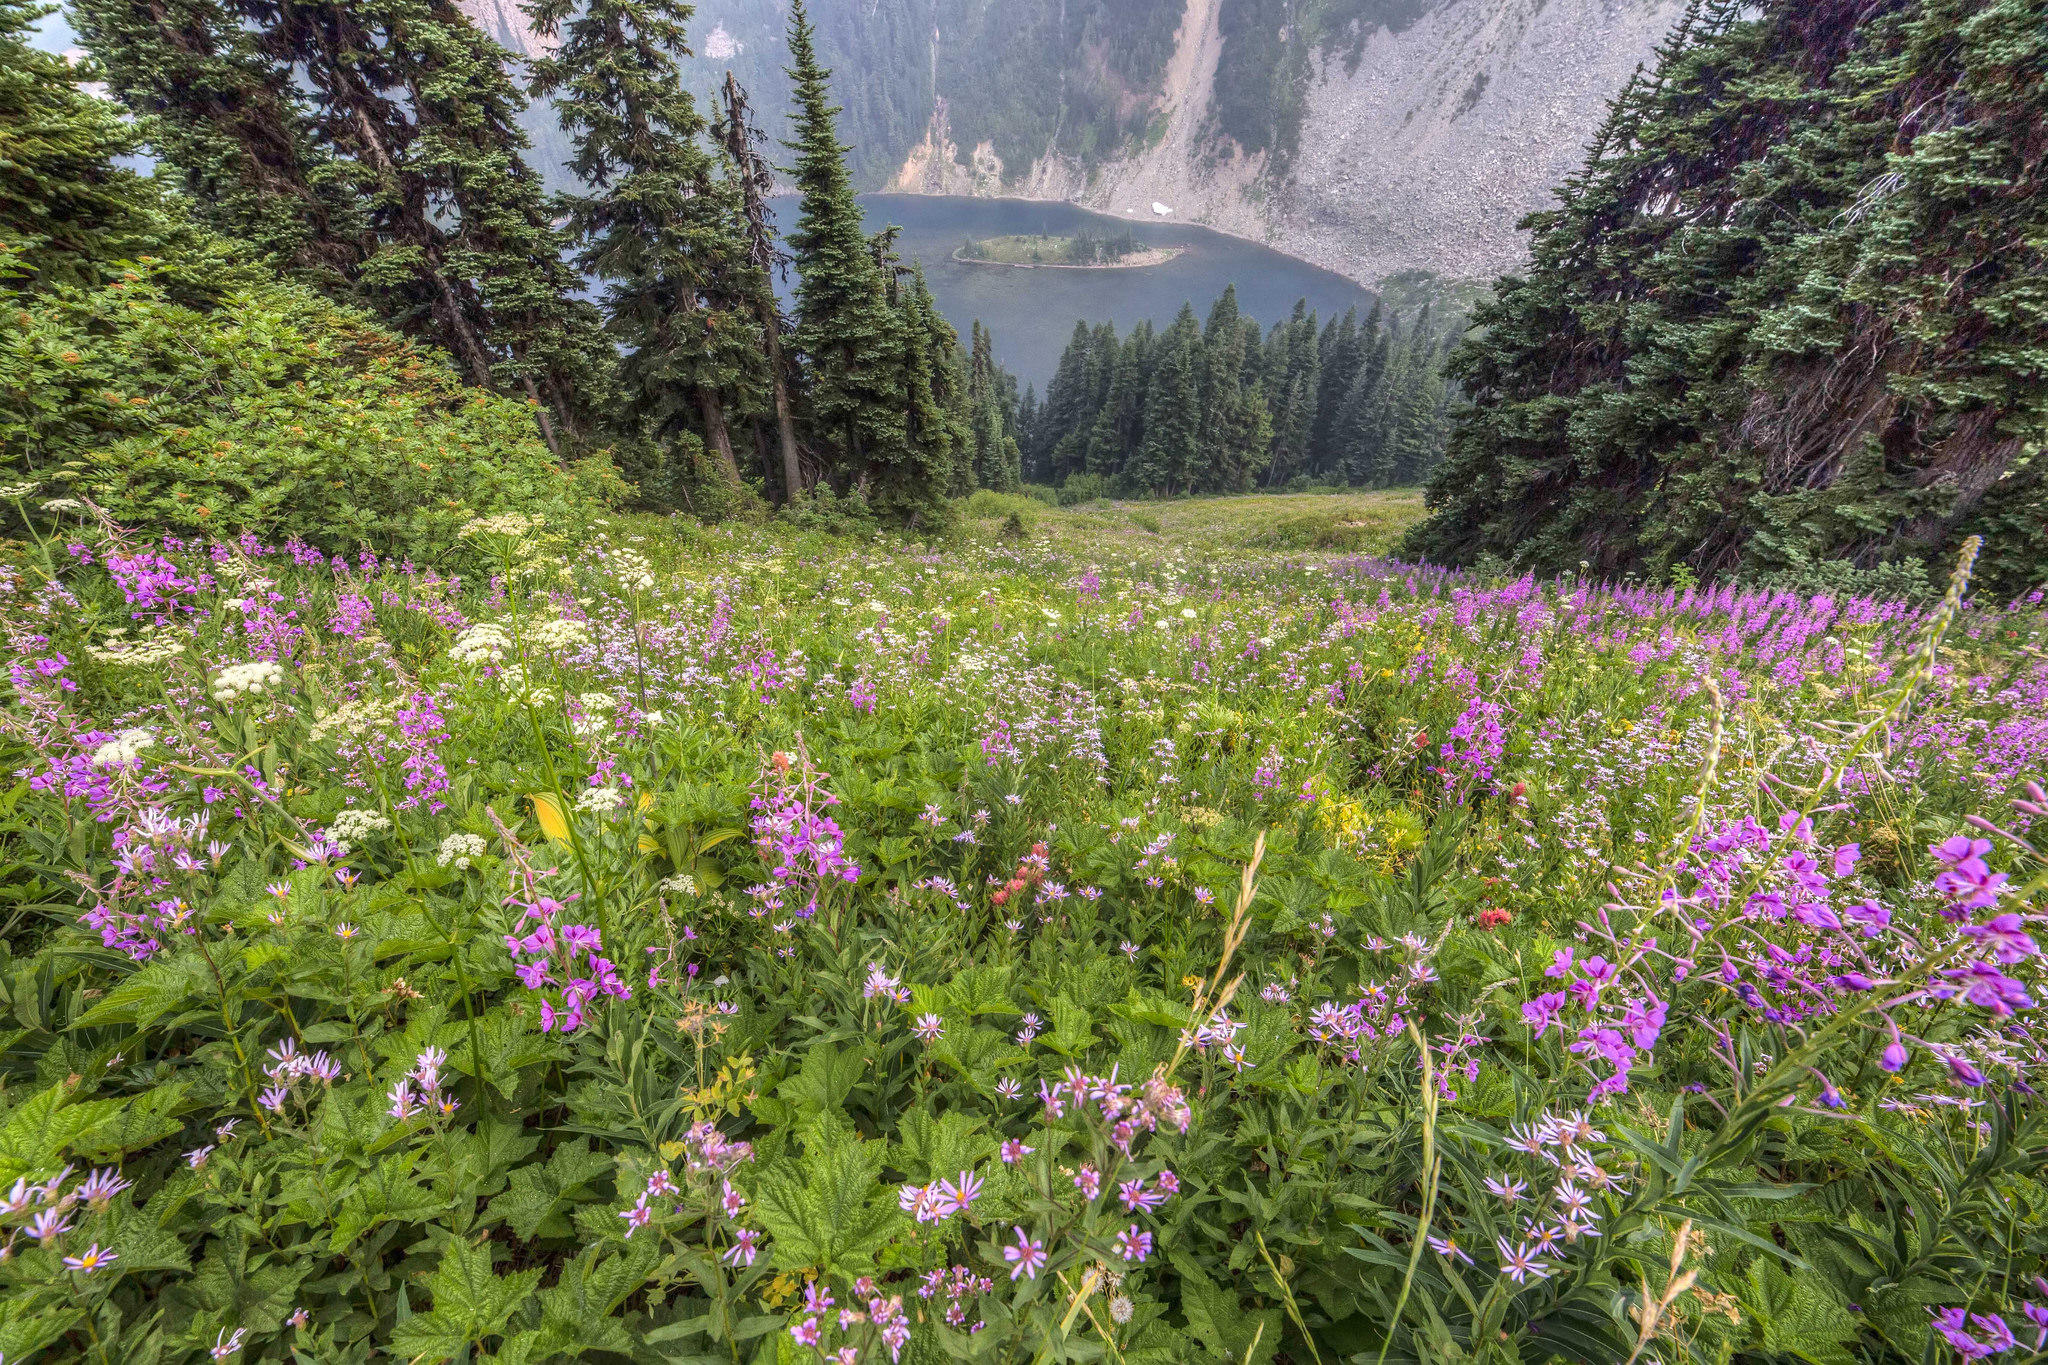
(1792, 310)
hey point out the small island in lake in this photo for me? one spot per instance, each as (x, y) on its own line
(1080, 252)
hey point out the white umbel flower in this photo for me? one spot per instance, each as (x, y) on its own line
(251, 679)
(123, 749)
(483, 643)
(600, 800)
(354, 825)
(560, 633)
(458, 849)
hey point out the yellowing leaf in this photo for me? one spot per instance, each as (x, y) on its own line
(547, 808)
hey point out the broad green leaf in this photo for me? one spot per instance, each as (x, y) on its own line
(36, 1135)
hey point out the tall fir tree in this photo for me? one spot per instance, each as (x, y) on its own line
(1784, 313)
(847, 329)
(654, 222)
(546, 340)
(64, 208)
(996, 457)
(1339, 353)
(1118, 432)
(1165, 462)
(222, 111)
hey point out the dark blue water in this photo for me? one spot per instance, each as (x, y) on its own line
(1032, 312)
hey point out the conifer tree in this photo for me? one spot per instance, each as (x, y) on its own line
(1234, 433)
(1833, 321)
(996, 457)
(755, 180)
(547, 340)
(655, 224)
(1068, 405)
(63, 205)
(1119, 428)
(223, 111)
(938, 438)
(1339, 353)
(846, 327)
(1164, 463)
(1027, 430)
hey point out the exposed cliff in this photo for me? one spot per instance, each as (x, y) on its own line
(1369, 136)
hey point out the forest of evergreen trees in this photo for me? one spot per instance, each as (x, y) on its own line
(1794, 309)
(371, 150)
(1228, 406)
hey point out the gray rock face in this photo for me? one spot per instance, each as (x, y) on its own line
(1426, 154)
(1421, 154)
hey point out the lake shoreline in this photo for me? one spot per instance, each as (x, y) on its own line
(1156, 256)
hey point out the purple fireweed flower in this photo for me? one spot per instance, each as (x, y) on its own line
(1984, 986)
(2005, 935)
(1543, 1010)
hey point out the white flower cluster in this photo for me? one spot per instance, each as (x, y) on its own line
(682, 884)
(483, 643)
(560, 633)
(597, 708)
(152, 648)
(123, 749)
(356, 717)
(635, 574)
(520, 687)
(458, 849)
(251, 679)
(503, 524)
(354, 825)
(63, 505)
(18, 490)
(600, 800)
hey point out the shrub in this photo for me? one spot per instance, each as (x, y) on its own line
(1083, 488)
(273, 412)
(1044, 493)
(820, 509)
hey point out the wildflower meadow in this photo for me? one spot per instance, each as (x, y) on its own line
(634, 941)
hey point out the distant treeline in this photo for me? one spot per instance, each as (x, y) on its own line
(1231, 406)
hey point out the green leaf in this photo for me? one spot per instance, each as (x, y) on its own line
(1072, 1030)
(933, 1148)
(153, 991)
(38, 1132)
(1794, 1315)
(828, 1209)
(145, 1120)
(538, 1198)
(828, 1076)
(1217, 1321)
(470, 1303)
(389, 1195)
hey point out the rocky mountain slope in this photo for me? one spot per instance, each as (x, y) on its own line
(1372, 137)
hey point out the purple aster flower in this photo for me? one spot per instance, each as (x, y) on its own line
(1026, 1258)
(1133, 1245)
